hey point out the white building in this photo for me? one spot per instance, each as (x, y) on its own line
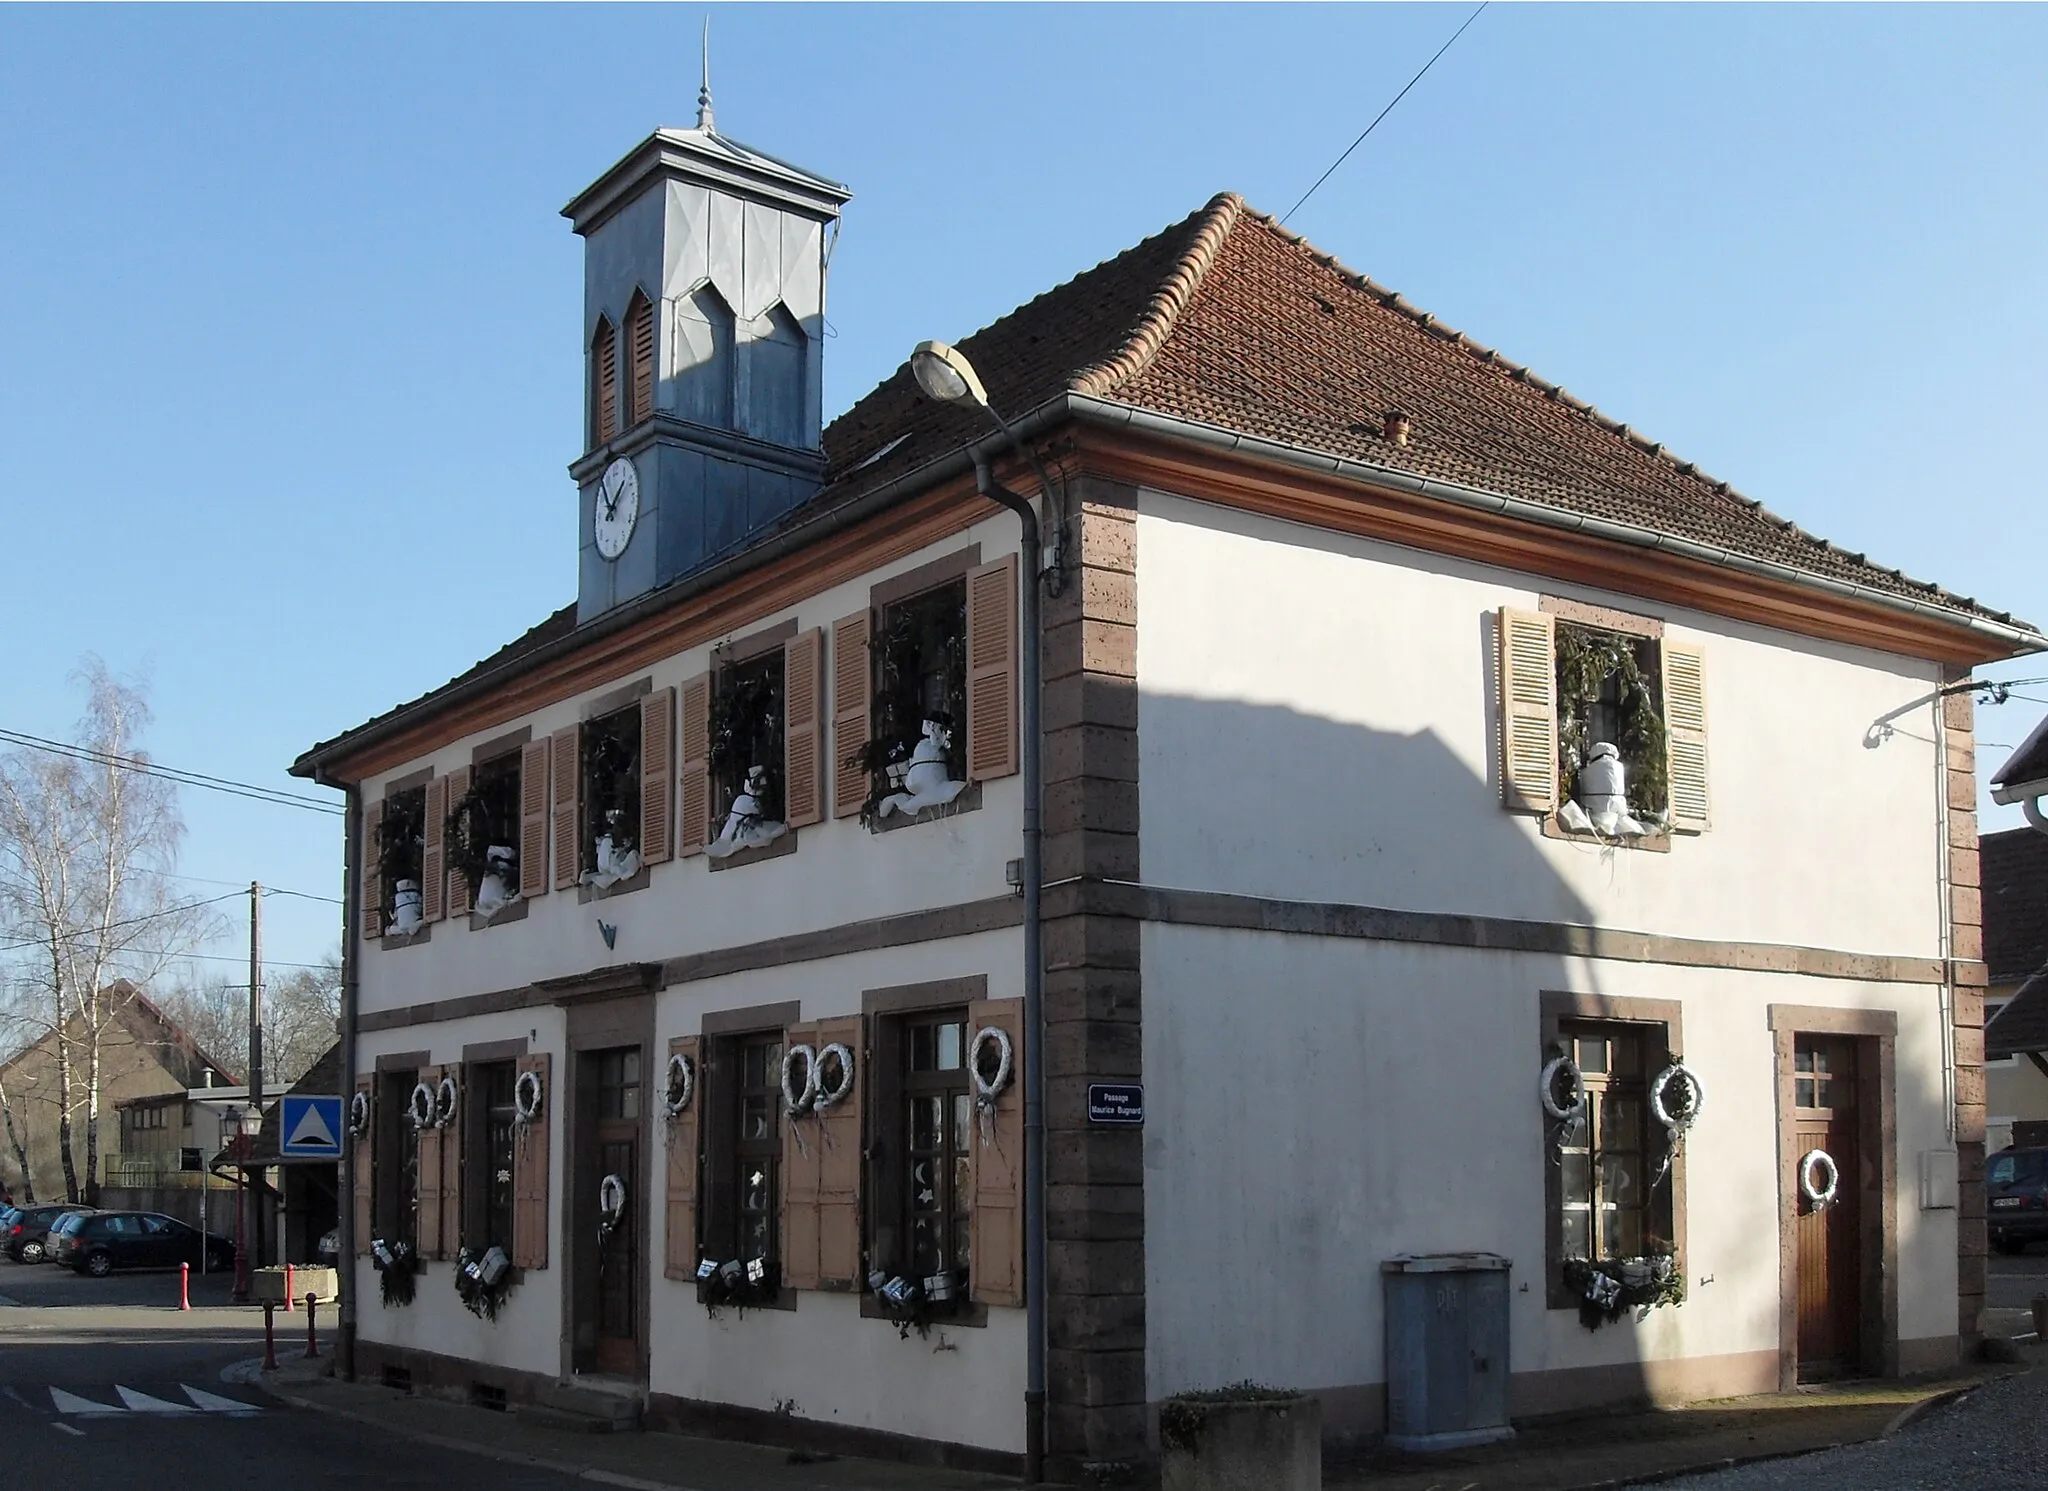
(1338, 605)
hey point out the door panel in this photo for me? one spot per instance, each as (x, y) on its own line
(1828, 1241)
(617, 1300)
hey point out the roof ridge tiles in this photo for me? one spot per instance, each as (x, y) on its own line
(1157, 321)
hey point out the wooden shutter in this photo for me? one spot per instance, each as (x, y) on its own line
(373, 870)
(996, 1214)
(530, 1169)
(657, 777)
(533, 818)
(992, 670)
(803, 788)
(693, 787)
(800, 1157)
(679, 1248)
(852, 689)
(459, 889)
(567, 747)
(605, 369)
(430, 1139)
(838, 1147)
(1528, 710)
(640, 338)
(1685, 728)
(433, 905)
(364, 1188)
(451, 1167)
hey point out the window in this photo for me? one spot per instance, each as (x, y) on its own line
(938, 1164)
(744, 1151)
(489, 1157)
(919, 670)
(604, 383)
(611, 790)
(395, 1162)
(618, 1083)
(640, 345)
(1610, 690)
(483, 826)
(746, 732)
(402, 841)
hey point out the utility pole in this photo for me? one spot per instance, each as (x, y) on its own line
(256, 1047)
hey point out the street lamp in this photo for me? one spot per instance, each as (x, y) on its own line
(947, 377)
(240, 1126)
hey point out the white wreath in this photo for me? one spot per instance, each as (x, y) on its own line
(1822, 1196)
(799, 1101)
(420, 1110)
(1660, 1108)
(359, 1114)
(681, 1084)
(611, 1202)
(526, 1096)
(1562, 1066)
(829, 1097)
(444, 1103)
(986, 1088)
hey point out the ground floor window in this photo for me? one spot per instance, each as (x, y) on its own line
(1608, 1159)
(488, 1157)
(937, 1125)
(395, 1162)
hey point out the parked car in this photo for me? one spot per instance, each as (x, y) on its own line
(28, 1232)
(104, 1241)
(329, 1247)
(2016, 1198)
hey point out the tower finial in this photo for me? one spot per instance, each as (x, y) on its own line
(704, 121)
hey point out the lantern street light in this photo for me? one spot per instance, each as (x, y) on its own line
(945, 376)
(240, 1126)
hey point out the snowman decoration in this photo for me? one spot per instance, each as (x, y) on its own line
(1602, 805)
(747, 826)
(927, 783)
(500, 885)
(613, 863)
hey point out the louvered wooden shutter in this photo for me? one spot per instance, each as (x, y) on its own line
(852, 690)
(693, 776)
(373, 870)
(657, 777)
(640, 337)
(433, 905)
(837, 1141)
(533, 818)
(1685, 728)
(429, 1240)
(1528, 710)
(604, 357)
(567, 748)
(460, 891)
(530, 1170)
(803, 787)
(679, 1248)
(451, 1167)
(800, 1160)
(363, 1191)
(992, 670)
(996, 1213)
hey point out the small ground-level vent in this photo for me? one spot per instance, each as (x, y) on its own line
(483, 1395)
(399, 1378)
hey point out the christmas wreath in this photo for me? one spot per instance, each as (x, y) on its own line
(681, 1084)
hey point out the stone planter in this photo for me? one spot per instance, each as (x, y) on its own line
(1241, 1439)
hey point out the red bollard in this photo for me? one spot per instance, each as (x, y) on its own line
(269, 1337)
(184, 1286)
(312, 1341)
(288, 1296)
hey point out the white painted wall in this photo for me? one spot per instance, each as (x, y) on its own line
(1318, 720)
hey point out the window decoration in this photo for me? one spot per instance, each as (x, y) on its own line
(358, 1114)
(1563, 1091)
(738, 1282)
(1819, 1179)
(482, 836)
(444, 1103)
(1609, 1288)
(398, 1270)
(528, 1093)
(1676, 1098)
(799, 1080)
(746, 754)
(401, 851)
(834, 1076)
(680, 1086)
(482, 1280)
(918, 654)
(992, 1060)
(1613, 752)
(611, 798)
(611, 1205)
(419, 1111)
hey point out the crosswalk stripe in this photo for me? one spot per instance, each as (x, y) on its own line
(212, 1403)
(71, 1403)
(143, 1403)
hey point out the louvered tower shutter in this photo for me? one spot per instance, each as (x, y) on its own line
(1528, 710)
(992, 670)
(640, 339)
(1685, 728)
(605, 370)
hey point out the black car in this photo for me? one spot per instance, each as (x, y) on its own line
(28, 1229)
(104, 1241)
(2016, 1198)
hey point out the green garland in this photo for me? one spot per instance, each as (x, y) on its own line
(743, 1294)
(746, 711)
(1586, 658)
(897, 723)
(466, 841)
(398, 1271)
(611, 774)
(480, 1299)
(401, 839)
(1609, 1288)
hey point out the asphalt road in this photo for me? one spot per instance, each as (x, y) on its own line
(2014, 1282)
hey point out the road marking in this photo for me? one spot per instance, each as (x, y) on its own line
(213, 1403)
(143, 1403)
(72, 1403)
(16, 1396)
(69, 1430)
(9, 1300)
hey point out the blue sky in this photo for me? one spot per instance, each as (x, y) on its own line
(289, 361)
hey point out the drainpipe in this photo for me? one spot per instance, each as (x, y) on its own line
(345, 1191)
(1034, 974)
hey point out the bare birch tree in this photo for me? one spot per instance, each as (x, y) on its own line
(86, 845)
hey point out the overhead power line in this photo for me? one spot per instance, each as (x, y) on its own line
(1383, 113)
(94, 931)
(184, 778)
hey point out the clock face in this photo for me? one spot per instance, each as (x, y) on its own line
(618, 505)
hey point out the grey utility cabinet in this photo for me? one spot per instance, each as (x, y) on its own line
(1447, 1350)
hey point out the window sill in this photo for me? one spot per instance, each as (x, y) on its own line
(967, 1314)
(784, 845)
(585, 894)
(392, 944)
(1655, 843)
(968, 801)
(512, 911)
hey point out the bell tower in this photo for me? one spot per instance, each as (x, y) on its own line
(703, 331)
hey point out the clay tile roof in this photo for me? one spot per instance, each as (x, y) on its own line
(2014, 866)
(2027, 764)
(1227, 319)
(2022, 1025)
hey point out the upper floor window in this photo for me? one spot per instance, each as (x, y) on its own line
(746, 753)
(640, 348)
(610, 847)
(604, 382)
(918, 666)
(400, 850)
(482, 834)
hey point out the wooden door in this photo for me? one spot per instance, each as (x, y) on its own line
(1829, 1247)
(621, 1305)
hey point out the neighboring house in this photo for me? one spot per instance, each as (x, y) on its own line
(1343, 602)
(144, 1054)
(2016, 951)
(307, 1192)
